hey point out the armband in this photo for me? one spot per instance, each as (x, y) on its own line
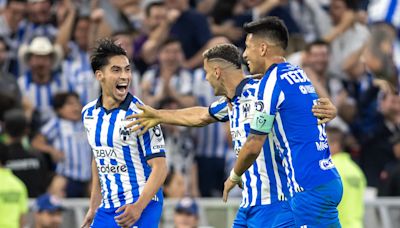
(262, 122)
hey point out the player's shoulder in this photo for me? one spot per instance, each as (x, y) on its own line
(134, 102)
(89, 105)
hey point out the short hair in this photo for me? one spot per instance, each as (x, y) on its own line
(316, 43)
(151, 5)
(60, 99)
(271, 28)
(105, 49)
(226, 52)
(15, 123)
(168, 41)
(336, 135)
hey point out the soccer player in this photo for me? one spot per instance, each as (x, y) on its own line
(285, 97)
(264, 182)
(128, 170)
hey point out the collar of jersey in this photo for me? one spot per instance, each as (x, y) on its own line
(239, 88)
(124, 105)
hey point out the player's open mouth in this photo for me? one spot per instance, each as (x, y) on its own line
(122, 87)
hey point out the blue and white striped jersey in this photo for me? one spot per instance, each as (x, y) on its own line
(385, 10)
(69, 137)
(286, 94)
(211, 140)
(121, 156)
(77, 70)
(265, 181)
(41, 95)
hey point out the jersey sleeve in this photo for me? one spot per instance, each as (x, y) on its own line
(50, 129)
(152, 143)
(219, 110)
(268, 99)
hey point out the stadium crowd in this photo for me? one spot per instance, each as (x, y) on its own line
(350, 49)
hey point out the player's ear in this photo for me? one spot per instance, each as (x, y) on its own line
(263, 49)
(99, 75)
(217, 71)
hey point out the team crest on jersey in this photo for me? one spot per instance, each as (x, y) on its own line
(158, 133)
(246, 109)
(124, 133)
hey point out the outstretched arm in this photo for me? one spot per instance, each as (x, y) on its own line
(150, 117)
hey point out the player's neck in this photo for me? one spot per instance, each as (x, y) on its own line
(276, 59)
(232, 83)
(109, 102)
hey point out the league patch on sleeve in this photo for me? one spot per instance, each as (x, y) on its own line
(262, 122)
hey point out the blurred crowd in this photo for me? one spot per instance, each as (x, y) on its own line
(349, 48)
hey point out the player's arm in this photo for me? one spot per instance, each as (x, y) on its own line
(150, 117)
(153, 149)
(132, 212)
(95, 196)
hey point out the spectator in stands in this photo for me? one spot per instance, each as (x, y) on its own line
(174, 185)
(349, 37)
(168, 78)
(41, 82)
(76, 66)
(13, 196)
(157, 24)
(64, 139)
(390, 176)
(48, 211)
(10, 19)
(194, 41)
(351, 207)
(26, 164)
(8, 82)
(186, 213)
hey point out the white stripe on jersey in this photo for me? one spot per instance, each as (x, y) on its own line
(293, 180)
(275, 167)
(262, 170)
(382, 10)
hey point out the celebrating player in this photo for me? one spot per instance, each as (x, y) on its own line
(285, 97)
(264, 182)
(128, 170)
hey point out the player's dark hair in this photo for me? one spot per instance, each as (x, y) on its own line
(227, 52)
(336, 134)
(151, 5)
(271, 28)
(316, 43)
(105, 49)
(60, 99)
(15, 123)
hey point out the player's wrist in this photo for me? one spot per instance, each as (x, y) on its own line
(234, 177)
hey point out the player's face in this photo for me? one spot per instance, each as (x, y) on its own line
(252, 56)
(211, 77)
(115, 78)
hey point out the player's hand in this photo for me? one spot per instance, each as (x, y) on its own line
(88, 218)
(131, 214)
(324, 110)
(145, 120)
(228, 185)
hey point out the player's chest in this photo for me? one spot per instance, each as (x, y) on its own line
(241, 112)
(109, 130)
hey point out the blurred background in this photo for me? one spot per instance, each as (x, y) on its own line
(350, 49)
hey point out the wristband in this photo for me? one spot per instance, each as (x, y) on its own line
(234, 177)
